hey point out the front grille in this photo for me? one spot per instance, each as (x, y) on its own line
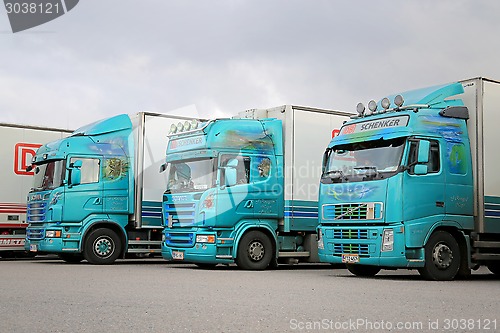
(356, 211)
(350, 234)
(35, 233)
(179, 239)
(182, 213)
(362, 249)
(36, 212)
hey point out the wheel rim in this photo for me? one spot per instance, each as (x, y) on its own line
(103, 247)
(442, 256)
(256, 251)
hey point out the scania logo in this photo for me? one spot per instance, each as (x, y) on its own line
(179, 198)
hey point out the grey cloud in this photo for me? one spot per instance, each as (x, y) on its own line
(114, 56)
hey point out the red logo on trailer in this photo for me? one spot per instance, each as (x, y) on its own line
(23, 154)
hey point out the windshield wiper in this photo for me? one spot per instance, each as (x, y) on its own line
(370, 171)
(339, 174)
(366, 168)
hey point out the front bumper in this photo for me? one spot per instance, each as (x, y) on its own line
(181, 246)
(365, 242)
(36, 241)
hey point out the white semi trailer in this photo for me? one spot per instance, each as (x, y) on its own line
(19, 144)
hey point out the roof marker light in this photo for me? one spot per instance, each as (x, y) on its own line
(360, 108)
(372, 106)
(180, 127)
(385, 103)
(398, 100)
(194, 124)
(173, 129)
(187, 125)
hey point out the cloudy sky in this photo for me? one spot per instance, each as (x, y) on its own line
(219, 57)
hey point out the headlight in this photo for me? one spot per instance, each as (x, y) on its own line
(53, 234)
(205, 239)
(321, 245)
(388, 240)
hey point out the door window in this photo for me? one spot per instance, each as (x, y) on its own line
(89, 169)
(434, 164)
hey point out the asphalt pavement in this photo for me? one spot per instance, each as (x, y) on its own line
(44, 294)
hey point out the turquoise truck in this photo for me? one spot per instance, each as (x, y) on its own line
(97, 194)
(412, 182)
(245, 190)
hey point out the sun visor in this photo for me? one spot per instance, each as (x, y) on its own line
(373, 129)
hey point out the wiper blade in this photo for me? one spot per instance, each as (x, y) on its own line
(338, 173)
(366, 168)
(368, 171)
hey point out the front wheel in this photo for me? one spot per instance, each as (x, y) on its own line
(102, 247)
(442, 257)
(363, 270)
(255, 251)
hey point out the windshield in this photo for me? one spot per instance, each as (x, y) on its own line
(193, 175)
(363, 161)
(48, 176)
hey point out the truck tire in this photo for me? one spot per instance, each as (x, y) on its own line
(255, 251)
(363, 270)
(442, 257)
(102, 247)
(72, 258)
(494, 268)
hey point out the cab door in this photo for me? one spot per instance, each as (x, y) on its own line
(85, 195)
(424, 188)
(255, 191)
(234, 202)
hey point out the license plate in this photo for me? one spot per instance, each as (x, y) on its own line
(33, 248)
(350, 258)
(177, 255)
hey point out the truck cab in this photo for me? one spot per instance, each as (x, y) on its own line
(221, 174)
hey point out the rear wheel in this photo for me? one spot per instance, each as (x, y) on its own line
(363, 270)
(255, 251)
(72, 258)
(442, 257)
(102, 247)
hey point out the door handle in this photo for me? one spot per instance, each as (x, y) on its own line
(97, 201)
(248, 204)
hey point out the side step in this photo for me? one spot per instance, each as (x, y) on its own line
(486, 247)
(304, 254)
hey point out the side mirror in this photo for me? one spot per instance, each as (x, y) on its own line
(230, 174)
(424, 148)
(163, 167)
(75, 175)
(421, 169)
